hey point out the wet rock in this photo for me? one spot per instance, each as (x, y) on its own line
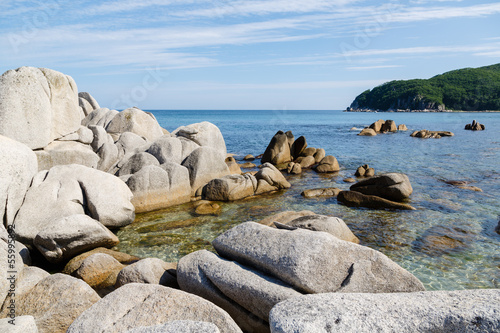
(76, 262)
(321, 192)
(136, 305)
(392, 186)
(247, 165)
(64, 238)
(428, 311)
(425, 134)
(367, 132)
(357, 199)
(377, 126)
(230, 188)
(284, 217)
(55, 302)
(176, 326)
(239, 290)
(327, 164)
(307, 162)
(136, 121)
(149, 270)
(360, 172)
(314, 262)
(475, 126)
(319, 155)
(294, 168)
(38, 106)
(249, 157)
(18, 165)
(205, 207)
(332, 225)
(389, 126)
(278, 150)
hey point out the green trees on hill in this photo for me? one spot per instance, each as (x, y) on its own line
(468, 89)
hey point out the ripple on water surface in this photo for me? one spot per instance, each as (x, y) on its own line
(448, 242)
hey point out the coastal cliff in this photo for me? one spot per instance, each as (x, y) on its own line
(468, 89)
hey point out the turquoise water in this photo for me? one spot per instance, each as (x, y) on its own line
(449, 242)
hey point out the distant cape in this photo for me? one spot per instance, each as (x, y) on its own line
(467, 89)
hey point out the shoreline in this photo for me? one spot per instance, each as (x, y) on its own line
(423, 111)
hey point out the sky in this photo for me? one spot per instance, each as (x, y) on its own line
(245, 54)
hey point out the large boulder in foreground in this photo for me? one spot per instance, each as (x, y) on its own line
(241, 291)
(278, 150)
(393, 186)
(136, 305)
(314, 262)
(136, 121)
(38, 105)
(430, 311)
(66, 237)
(67, 190)
(18, 165)
(55, 302)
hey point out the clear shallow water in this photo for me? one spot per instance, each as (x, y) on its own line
(449, 242)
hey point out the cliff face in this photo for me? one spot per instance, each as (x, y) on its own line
(469, 89)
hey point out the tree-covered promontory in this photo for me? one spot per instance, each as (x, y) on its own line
(468, 89)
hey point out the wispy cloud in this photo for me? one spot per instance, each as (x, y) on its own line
(362, 68)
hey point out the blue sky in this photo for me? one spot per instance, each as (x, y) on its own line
(245, 54)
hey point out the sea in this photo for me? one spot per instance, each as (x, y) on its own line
(449, 242)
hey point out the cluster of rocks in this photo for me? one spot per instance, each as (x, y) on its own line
(286, 152)
(381, 126)
(475, 126)
(425, 134)
(386, 191)
(364, 171)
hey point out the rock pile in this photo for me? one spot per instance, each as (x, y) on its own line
(286, 152)
(381, 126)
(475, 126)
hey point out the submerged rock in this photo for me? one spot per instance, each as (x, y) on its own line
(321, 192)
(425, 134)
(357, 199)
(207, 208)
(429, 311)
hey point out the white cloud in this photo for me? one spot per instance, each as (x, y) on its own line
(361, 68)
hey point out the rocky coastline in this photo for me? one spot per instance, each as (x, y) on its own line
(73, 173)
